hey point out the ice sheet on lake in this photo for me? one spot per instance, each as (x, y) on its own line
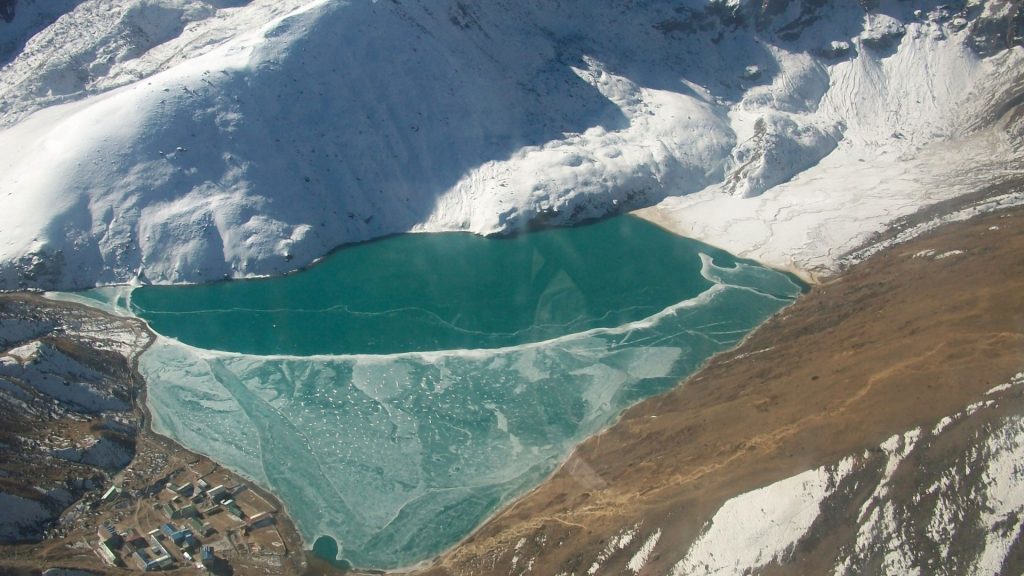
(399, 456)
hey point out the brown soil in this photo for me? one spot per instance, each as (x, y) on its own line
(896, 342)
(157, 460)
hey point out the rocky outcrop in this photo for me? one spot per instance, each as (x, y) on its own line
(998, 26)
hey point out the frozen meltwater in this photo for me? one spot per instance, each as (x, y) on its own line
(398, 455)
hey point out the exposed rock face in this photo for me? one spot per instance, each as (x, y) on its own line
(998, 26)
(67, 420)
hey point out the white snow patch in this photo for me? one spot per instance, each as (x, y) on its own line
(944, 521)
(26, 352)
(1000, 388)
(1004, 481)
(745, 533)
(877, 514)
(640, 558)
(942, 425)
(978, 406)
(896, 448)
(618, 542)
(1003, 201)
(758, 527)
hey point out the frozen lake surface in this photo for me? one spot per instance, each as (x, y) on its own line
(396, 394)
(429, 292)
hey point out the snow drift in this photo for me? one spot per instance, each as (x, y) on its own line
(191, 140)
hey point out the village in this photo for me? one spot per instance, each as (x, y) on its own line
(87, 492)
(197, 517)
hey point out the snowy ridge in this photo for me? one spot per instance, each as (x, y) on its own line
(188, 140)
(105, 45)
(898, 533)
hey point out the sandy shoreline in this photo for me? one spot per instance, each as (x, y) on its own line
(655, 216)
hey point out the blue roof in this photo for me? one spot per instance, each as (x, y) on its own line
(179, 535)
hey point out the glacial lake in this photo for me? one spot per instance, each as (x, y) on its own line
(397, 393)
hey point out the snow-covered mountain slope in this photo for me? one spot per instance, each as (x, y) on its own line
(945, 499)
(188, 140)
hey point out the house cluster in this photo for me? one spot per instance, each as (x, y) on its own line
(191, 515)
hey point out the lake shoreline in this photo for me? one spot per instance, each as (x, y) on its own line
(296, 546)
(586, 467)
(157, 459)
(581, 505)
(404, 453)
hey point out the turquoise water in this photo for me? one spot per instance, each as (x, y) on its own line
(423, 292)
(396, 394)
